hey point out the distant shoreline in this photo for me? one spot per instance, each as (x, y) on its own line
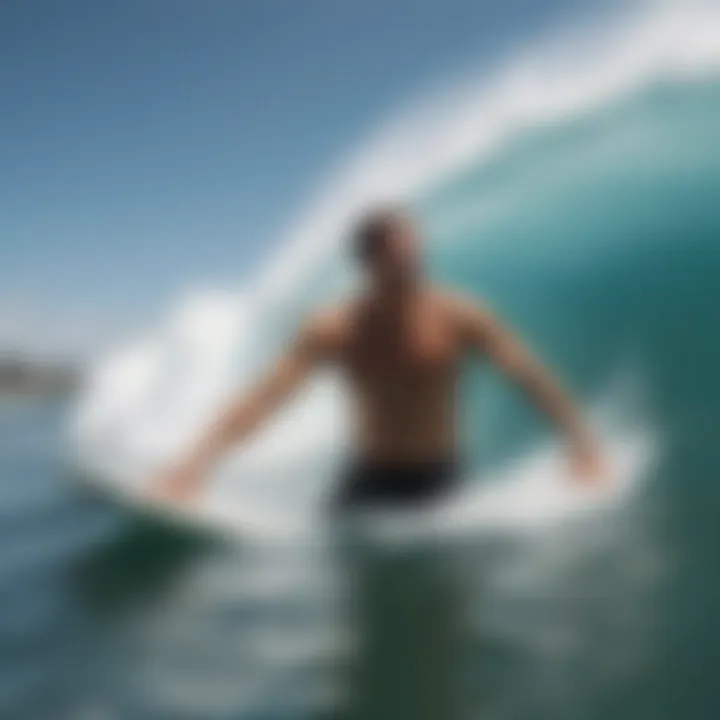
(21, 377)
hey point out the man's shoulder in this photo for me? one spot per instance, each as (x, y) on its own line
(459, 306)
(468, 316)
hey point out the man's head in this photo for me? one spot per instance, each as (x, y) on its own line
(386, 243)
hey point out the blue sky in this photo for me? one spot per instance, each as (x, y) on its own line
(152, 145)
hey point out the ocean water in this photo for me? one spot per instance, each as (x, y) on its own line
(579, 200)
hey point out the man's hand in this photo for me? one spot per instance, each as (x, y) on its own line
(179, 484)
(588, 467)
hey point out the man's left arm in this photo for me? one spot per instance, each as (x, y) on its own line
(489, 336)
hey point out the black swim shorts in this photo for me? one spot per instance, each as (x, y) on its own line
(370, 482)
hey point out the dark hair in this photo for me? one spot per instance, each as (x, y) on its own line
(372, 230)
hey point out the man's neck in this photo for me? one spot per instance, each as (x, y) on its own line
(400, 293)
(394, 301)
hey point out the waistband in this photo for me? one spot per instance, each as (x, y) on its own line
(372, 464)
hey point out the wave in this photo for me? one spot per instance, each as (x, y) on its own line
(143, 403)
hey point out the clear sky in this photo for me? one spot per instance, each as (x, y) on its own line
(150, 145)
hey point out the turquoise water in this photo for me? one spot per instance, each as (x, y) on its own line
(598, 239)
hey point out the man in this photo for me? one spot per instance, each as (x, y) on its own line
(400, 345)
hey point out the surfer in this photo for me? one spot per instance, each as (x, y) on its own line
(400, 344)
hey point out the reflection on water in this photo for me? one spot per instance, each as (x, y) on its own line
(408, 609)
(567, 621)
(560, 624)
(349, 631)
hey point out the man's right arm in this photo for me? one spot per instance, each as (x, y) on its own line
(248, 411)
(485, 333)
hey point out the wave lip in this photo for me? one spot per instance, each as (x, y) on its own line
(563, 77)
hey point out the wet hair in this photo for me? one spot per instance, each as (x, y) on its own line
(372, 230)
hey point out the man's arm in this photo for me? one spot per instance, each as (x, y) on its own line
(248, 411)
(489, 336)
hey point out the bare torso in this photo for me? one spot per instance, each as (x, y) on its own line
(402, 366)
